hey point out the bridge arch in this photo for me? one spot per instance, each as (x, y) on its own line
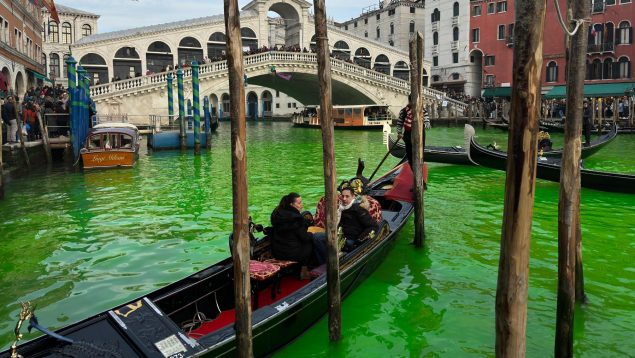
(341, 50)
(216, 45)
(382, 64)
(289, 22)
(401, 70)
(362, 57)
(189, 50)
(96, 67)
(159, 56)
(126, 63)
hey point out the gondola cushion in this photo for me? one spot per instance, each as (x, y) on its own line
(262, 271)
(281, 263)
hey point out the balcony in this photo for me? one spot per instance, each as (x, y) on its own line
(601, 48)
(598, 6)
(454, 45)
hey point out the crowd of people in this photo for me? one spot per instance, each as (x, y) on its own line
(41, 99)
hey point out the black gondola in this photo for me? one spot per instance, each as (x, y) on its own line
(549, 169)
(156, 325)
(458, 155)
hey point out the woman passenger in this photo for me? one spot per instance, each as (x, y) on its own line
(290, 239)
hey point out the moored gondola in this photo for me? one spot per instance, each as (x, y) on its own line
(458, 154)
(549, 169)
(194, 316)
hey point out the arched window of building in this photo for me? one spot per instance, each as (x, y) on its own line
(625, 67)
(624, 33)
(87, 30)
(455, 33)
(67, 36)
(596, 73)
(436, 15)
(392, 28)
(455, 11)
(55, 65)
(552, 71)
(54, 32)
(610, 71)
(378, 32)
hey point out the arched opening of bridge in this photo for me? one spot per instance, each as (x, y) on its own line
(267, 103)
(476, 64)
(341, 51)
(189, 50)
(382, 64)
(249, 39)
(402, 71)
(252, 105)
(159, 57)
(127, 63)
(213, 101)
(224, 113)
(5, 79)
(284, 25)
(362, 57)
(96, 67)
(19, 84)
(216, 46)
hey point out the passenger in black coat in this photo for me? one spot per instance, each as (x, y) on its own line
(355, 221)
(290, 239)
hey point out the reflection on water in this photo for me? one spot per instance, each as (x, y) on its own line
(78, 243)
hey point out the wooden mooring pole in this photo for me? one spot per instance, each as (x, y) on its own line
(44, 132)
(240, 252)
(181, 99)
(513, 269)
(569, 201)
(326, 122)
(418, 133)
(1, 168)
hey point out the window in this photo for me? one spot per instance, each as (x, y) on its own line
(609, 2)
(67, 38)
(55, 64)
(355, 24)
(391, 12)
(435, 38)
(436, 15)
(456, 76)
(277, 105)
(552, 72)
(625, 67)
(624, 33)
(455, 57)
(365, 33)
(277, 93)
(378, 32)
(392, 28)
(476, 35)
(510, 33)
(491, 8)
(609, 70)
(490, 80)
(455, 34)
(54, 32)
(435, 78)
(455, 10)
(625, 1)
(65, 65)
(378, 16)
(366, 21)
(490, 60)
(501, 6)
(596, 70)
(435, 60)
(476, 10)
(86, 30)
(412, 27)
(346, 27)
(501, 32)
(412, 10)
(288, 105)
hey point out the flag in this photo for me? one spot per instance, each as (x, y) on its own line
(50, 6)
(593, 31)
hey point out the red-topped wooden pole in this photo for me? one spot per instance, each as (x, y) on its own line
(242, 287)
(513, 270)
(326, 122)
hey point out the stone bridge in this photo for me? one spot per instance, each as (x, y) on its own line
(140, 96)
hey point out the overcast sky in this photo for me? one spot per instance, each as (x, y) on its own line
(125, 14)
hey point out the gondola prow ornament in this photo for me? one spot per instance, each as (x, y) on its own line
(25, 314)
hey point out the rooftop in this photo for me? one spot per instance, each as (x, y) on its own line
(63, 9)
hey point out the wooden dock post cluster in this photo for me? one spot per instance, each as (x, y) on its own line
(418, 133)
(569, 233)
(240, 252)
(326, 121)
(513, 270)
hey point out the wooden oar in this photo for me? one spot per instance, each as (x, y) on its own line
(383, 160)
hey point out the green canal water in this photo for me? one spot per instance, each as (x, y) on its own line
(77, 243)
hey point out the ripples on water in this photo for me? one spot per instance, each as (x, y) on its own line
(78, 243)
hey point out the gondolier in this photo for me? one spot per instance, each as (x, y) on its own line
(404, 127)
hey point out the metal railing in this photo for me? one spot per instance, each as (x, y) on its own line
(602, 47)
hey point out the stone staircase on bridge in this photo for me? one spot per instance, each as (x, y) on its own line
(293, 61)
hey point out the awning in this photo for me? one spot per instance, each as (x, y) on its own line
(39, 76)
(497, 92)
(595, 90)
